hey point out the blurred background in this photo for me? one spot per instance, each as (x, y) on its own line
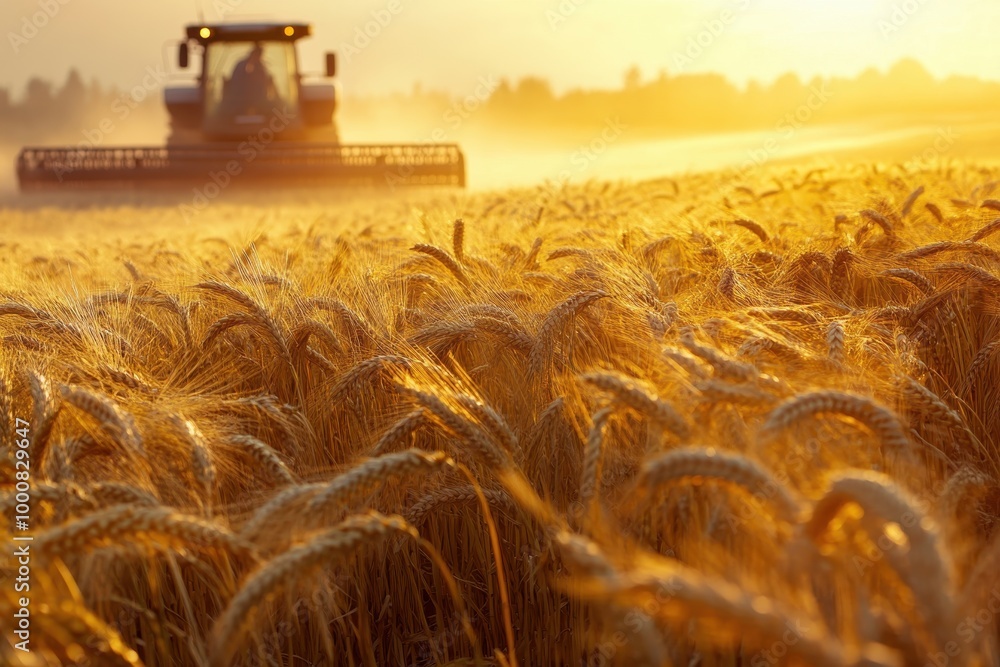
(548, 89)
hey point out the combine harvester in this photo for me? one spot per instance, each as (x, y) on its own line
(250, 119)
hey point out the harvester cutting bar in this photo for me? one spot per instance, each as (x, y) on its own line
(276, 163)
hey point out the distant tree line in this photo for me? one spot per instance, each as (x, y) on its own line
(664, 105)
(70, 112)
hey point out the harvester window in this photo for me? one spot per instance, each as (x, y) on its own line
(247, 80)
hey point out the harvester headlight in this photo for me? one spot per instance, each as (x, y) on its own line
(205, 33)
(289, 31)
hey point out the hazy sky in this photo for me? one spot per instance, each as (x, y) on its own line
(450, 44)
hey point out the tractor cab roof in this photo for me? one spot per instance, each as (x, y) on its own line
(248, 32)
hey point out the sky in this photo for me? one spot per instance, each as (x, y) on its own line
(455, 45)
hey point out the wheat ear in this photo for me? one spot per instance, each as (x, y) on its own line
(458, 240)
(733, 469)
(44, 411)
(115, 421)
(139, 524)
(836, 343)
(278, 508)
(555, 321)
(361, 375)
(400, 431)
(979, 362)
(762, 621)
(418, 511)
(335, 545)
(912, 277)
(874, 217)
(373, 474)
(461, 426)
(941, 411)
(723, 366)
(880, 419)
(444, 259)
(629, 393)
(590, 484)
(986, 230)
(753, 227)
(264, 456)
(907, 206)
(925, 568)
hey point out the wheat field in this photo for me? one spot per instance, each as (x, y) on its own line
(702, 421)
